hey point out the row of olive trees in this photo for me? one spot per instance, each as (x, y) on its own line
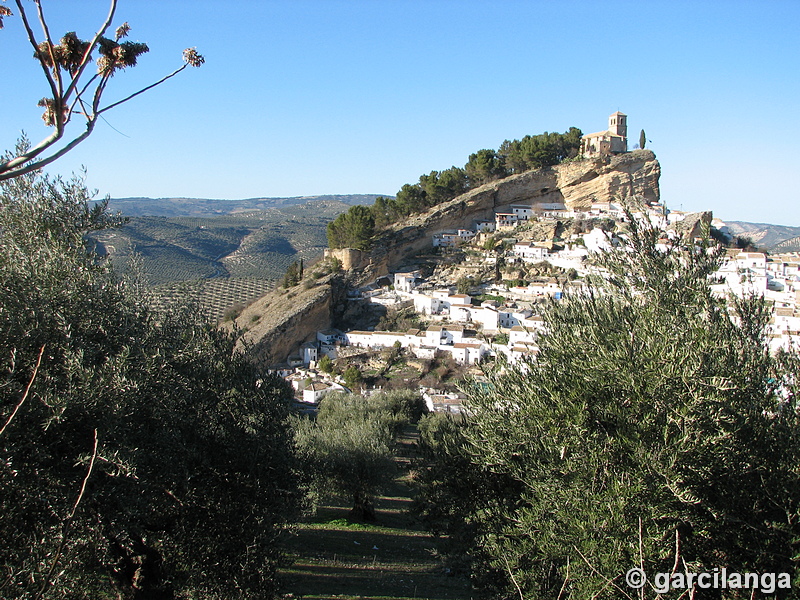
(348, 449)
(655, 430)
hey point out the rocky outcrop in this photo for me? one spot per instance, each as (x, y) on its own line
(576, 184)
(277, 323)
(694, 225)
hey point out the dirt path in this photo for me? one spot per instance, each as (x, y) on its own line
(391, 559)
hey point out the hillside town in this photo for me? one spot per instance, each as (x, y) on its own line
(504, 267)
(502, 318)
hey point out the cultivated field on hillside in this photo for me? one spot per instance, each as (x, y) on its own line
(223, 261)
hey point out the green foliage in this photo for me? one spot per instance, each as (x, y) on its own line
(485, 166)
(642, 139)
(464, 285)
(654, 429)
(501, 338)
(353, 229)
(352, 377)
(348, 449)
(544, 150)
(335, 265)
(147, 459)
(293, 275)
(325, 364)
(401, 320)
(233, 312)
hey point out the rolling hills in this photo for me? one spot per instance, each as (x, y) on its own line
(224, 252)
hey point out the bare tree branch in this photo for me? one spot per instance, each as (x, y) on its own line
(66, 523)
(56, 71)
(27, 391)
(60, 109)
(513, 579)
(143, 90)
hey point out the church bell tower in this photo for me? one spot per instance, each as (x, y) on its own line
(618, 124)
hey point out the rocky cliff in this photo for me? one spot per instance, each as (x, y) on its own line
(277, 323)
(576, 184)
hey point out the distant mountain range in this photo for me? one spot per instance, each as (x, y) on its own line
(205, 207)
(774, 238)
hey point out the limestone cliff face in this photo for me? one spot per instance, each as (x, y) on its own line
(277, 323)
(576, 184)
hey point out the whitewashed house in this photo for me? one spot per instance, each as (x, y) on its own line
(445, 240)
(330, 336)
(314, 392)
(519, 335)
(361, 339)
(505, 221)
(405, 282)
(597, 240)
(309, 352)
(425, 304)
(523, 212)
(553, 210)
(528, 252)
(484, 225)
(468, 353)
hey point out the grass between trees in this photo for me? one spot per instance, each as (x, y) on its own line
(390, 558)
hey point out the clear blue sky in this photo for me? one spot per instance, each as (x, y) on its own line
(338, 97)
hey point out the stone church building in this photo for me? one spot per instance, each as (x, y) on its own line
(612, 141)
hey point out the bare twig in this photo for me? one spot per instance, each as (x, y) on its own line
(27, 391)
(513, 579)
(48, 38)
(143, 90)
(85, 479)
(677, 552)
(67, 522)
(63, 103)
(566, 579)
(608, 580)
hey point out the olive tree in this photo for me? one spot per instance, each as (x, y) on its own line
(140, 457)
(348, 448)
(654, 430)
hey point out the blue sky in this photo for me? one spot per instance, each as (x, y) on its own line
(344, 97)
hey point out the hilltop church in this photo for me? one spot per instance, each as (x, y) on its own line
(612, 141)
